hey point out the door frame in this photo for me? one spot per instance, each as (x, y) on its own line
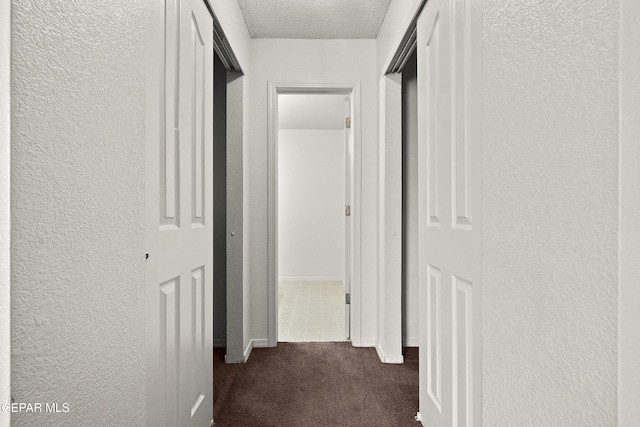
(353, 91)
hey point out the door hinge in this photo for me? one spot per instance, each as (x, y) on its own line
(347, 298)
(348, 122)
(347, 210)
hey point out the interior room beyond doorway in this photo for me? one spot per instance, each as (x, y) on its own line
(311, 217)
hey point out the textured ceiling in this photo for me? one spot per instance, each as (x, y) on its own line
(314, 19)
(311, 111)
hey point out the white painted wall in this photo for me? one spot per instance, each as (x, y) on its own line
(78, 210)
(5, 225)
(311, 111)
(629, 298)
(304, 61)
(410, 204)
(311, 221)
(550, 209)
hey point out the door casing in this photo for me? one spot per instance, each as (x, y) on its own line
(352, 90)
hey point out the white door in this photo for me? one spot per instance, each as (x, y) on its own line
(348, 167)
(449, 154)
(180, 226)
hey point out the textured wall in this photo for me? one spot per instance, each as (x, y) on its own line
(305, 61)
(78, 209)
(550, 183)
(5, 277)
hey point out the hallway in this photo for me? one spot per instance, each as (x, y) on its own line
(313, 385)
(122, 123)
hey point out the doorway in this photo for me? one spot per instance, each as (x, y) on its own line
(410, 270)
(314, 163)
(312, 148)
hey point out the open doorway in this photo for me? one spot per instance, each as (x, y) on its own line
(345, 114)
(219, 203)
(312, 145)
(410, 267)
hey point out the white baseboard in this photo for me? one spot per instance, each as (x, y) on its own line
(367, 342)
(398, 361)
(380, 352)
(411, 342)
(254, 343)
(385, 359)
(219, 342)
(247, 351)
(311, 279)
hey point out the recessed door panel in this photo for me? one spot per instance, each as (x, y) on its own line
(462, 309)
(169, 338)
(434, 337)
(432, 54)
(197, 122)
(198, 339)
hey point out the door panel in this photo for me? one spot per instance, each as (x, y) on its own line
(449, 157)
(180, 240)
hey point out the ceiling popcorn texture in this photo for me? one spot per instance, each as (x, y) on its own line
(314, 19)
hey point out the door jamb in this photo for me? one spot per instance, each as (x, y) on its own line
(353, 90)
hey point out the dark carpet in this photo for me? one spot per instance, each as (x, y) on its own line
(315, 384)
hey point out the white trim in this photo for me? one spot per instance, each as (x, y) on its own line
(247, 351)
(389, 285)
(380, 352)
(354, 91)
(254, 343)
(312, 279)
(5, 209)
(399, 360)
(400, 36)
(366, 343)
(411, 342)
(260, 343)
(384, 359)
